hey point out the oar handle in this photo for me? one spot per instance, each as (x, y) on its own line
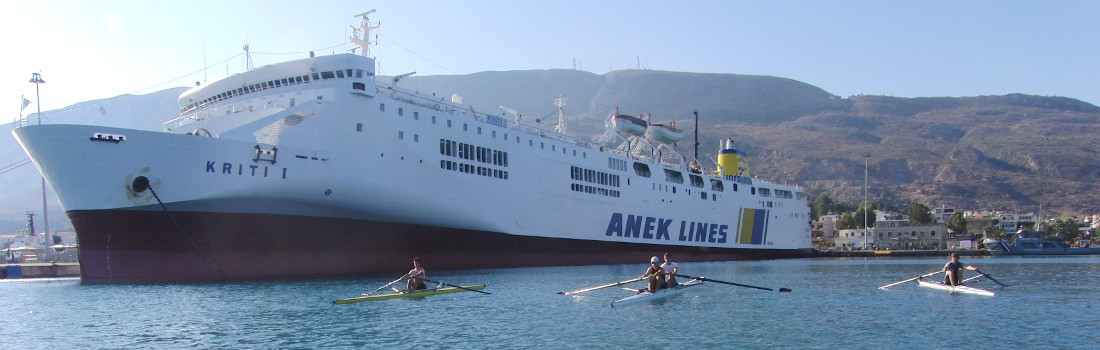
(451, 285)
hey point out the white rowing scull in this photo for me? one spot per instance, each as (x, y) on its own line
(659, 294)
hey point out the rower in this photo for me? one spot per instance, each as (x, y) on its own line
(416, 277)
(656, 275)
(954, 271)
(670, 271)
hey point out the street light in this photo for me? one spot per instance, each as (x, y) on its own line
(866, 233)
(37, 79)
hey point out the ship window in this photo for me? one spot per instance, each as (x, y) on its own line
(400, 111)
(327, 75)
(340, 74)
(305, 78)
(479, 130)
(316, 76)
(275, 83)
(674, 176)
(285, 82)
(400, 135)
(359, 127)
(381, 107)
(298, 80)
(696, 181)
(359, 86)
(358, 73)
(448, 123)
(752, 190)
(641, 169)
(716, 185)
(416, 137)
(416, 114)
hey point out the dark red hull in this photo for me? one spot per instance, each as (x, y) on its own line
(153, 246)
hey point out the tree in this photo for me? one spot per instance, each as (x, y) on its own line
(846, 221)
(956, 223)
(919, 214)
(994, 232)
(871, 217)
(1065, 225)
(821, 205)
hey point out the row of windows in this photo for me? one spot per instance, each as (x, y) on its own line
(471, 152)
(596, 177)
(303, 79)
(903, 234)
(595, 190)
(473, 169)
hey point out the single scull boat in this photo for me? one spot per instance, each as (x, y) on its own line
(413, 294)
(954, 289)
(659, 294)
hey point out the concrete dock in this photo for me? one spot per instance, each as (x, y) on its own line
(39, 270)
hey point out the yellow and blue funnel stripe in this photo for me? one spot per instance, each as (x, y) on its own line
(754, 226)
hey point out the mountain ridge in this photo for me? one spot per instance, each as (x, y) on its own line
(1008, 152)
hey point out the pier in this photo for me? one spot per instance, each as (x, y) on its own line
(893, 253)
(39, 270)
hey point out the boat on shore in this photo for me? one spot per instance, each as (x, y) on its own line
(316, 167)
(1026, 242)
(959, 289)
(659, 294)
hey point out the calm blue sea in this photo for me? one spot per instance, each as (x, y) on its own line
(1051, 303)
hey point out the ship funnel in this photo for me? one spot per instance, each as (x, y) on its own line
(732, 162)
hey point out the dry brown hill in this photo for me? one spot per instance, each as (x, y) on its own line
(990, 152)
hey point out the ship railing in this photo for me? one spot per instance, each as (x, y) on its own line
(219, 111)
(452, 108)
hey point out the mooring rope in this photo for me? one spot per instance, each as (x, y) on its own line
(187, 235)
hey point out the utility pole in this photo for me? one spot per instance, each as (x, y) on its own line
(37, 79)
(866, 228)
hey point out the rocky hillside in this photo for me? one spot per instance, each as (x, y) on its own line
(993, 152)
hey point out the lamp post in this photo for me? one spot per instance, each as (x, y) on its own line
(37, 79)
(866, 228)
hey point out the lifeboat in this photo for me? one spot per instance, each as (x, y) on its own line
(629, 125)
(662, 133)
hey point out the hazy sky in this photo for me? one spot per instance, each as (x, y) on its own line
(98, 49)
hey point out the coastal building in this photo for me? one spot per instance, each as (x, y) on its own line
(823, 231)
(1011, 222)
(891, 231)
(942, 213)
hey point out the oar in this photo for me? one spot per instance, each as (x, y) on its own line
(908, 280)
(732, 284)
(609, 285)
(989, 277)
(451, 285)
(387, 285)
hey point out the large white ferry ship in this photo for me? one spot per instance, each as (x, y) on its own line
(316, 167)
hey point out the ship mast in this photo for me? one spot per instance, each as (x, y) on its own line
(560, 102)
(364, 29)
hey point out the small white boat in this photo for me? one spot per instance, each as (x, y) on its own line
(659, 294)
(666, 134)
(629, 125)
(954, 289)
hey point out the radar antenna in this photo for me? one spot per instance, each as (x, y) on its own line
(361, 35)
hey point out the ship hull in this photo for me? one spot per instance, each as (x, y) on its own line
(171, 246)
